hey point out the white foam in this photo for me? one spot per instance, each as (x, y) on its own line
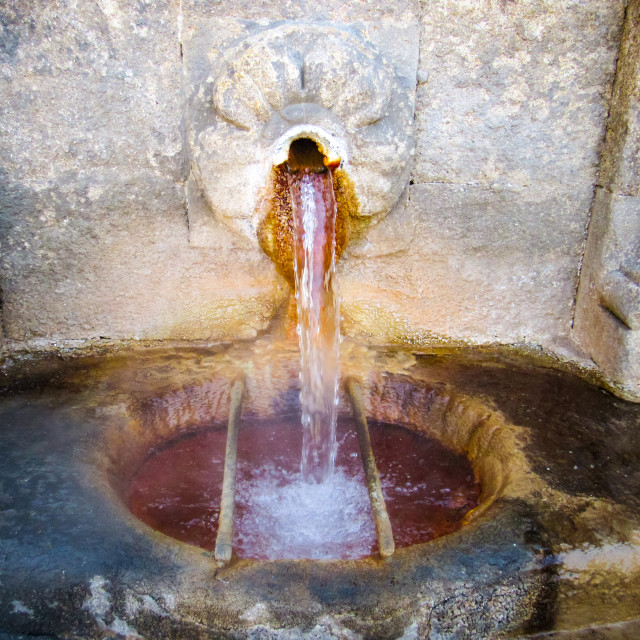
(287, 517)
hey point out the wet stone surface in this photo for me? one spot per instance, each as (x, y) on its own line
(584, 440)
(555, 551)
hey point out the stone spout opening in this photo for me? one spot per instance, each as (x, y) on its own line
(305, 155)
(300, 152)
(330, 146)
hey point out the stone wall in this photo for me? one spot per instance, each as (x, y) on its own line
(486, 246)
(94, 229)
(510, 118)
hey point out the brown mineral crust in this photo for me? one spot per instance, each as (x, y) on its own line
(276, 230)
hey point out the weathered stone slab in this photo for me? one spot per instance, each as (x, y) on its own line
(620, 170)
(607, 320)
(92, 208)
(90, 88)
(75, 564)
(514, 92)
(470, 273)
(119, 265)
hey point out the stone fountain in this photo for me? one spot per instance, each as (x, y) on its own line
(487, 186)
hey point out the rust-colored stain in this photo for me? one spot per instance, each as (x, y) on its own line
(275, 232)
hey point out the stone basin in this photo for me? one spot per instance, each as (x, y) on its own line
(552, 547)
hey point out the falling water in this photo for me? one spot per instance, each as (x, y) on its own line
(317, 302)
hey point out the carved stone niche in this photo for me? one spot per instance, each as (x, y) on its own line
(607, 322)
(350, 88)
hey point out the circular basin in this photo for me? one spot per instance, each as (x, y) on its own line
(428, 490)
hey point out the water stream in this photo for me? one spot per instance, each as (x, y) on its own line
(319, 508)
(317, 303)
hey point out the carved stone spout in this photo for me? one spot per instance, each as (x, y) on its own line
(326, 83)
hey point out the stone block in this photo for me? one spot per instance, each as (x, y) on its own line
(90, 88)
(119, 266)
(483, 265)
(607, 321)
(620, 170)
(514, 93)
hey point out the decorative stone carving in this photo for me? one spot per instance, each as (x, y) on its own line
(298, 80)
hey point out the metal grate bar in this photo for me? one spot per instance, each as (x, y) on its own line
(386, 544)
(224, 540)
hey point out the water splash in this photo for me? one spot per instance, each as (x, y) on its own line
(283, 516)
(317, 302)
